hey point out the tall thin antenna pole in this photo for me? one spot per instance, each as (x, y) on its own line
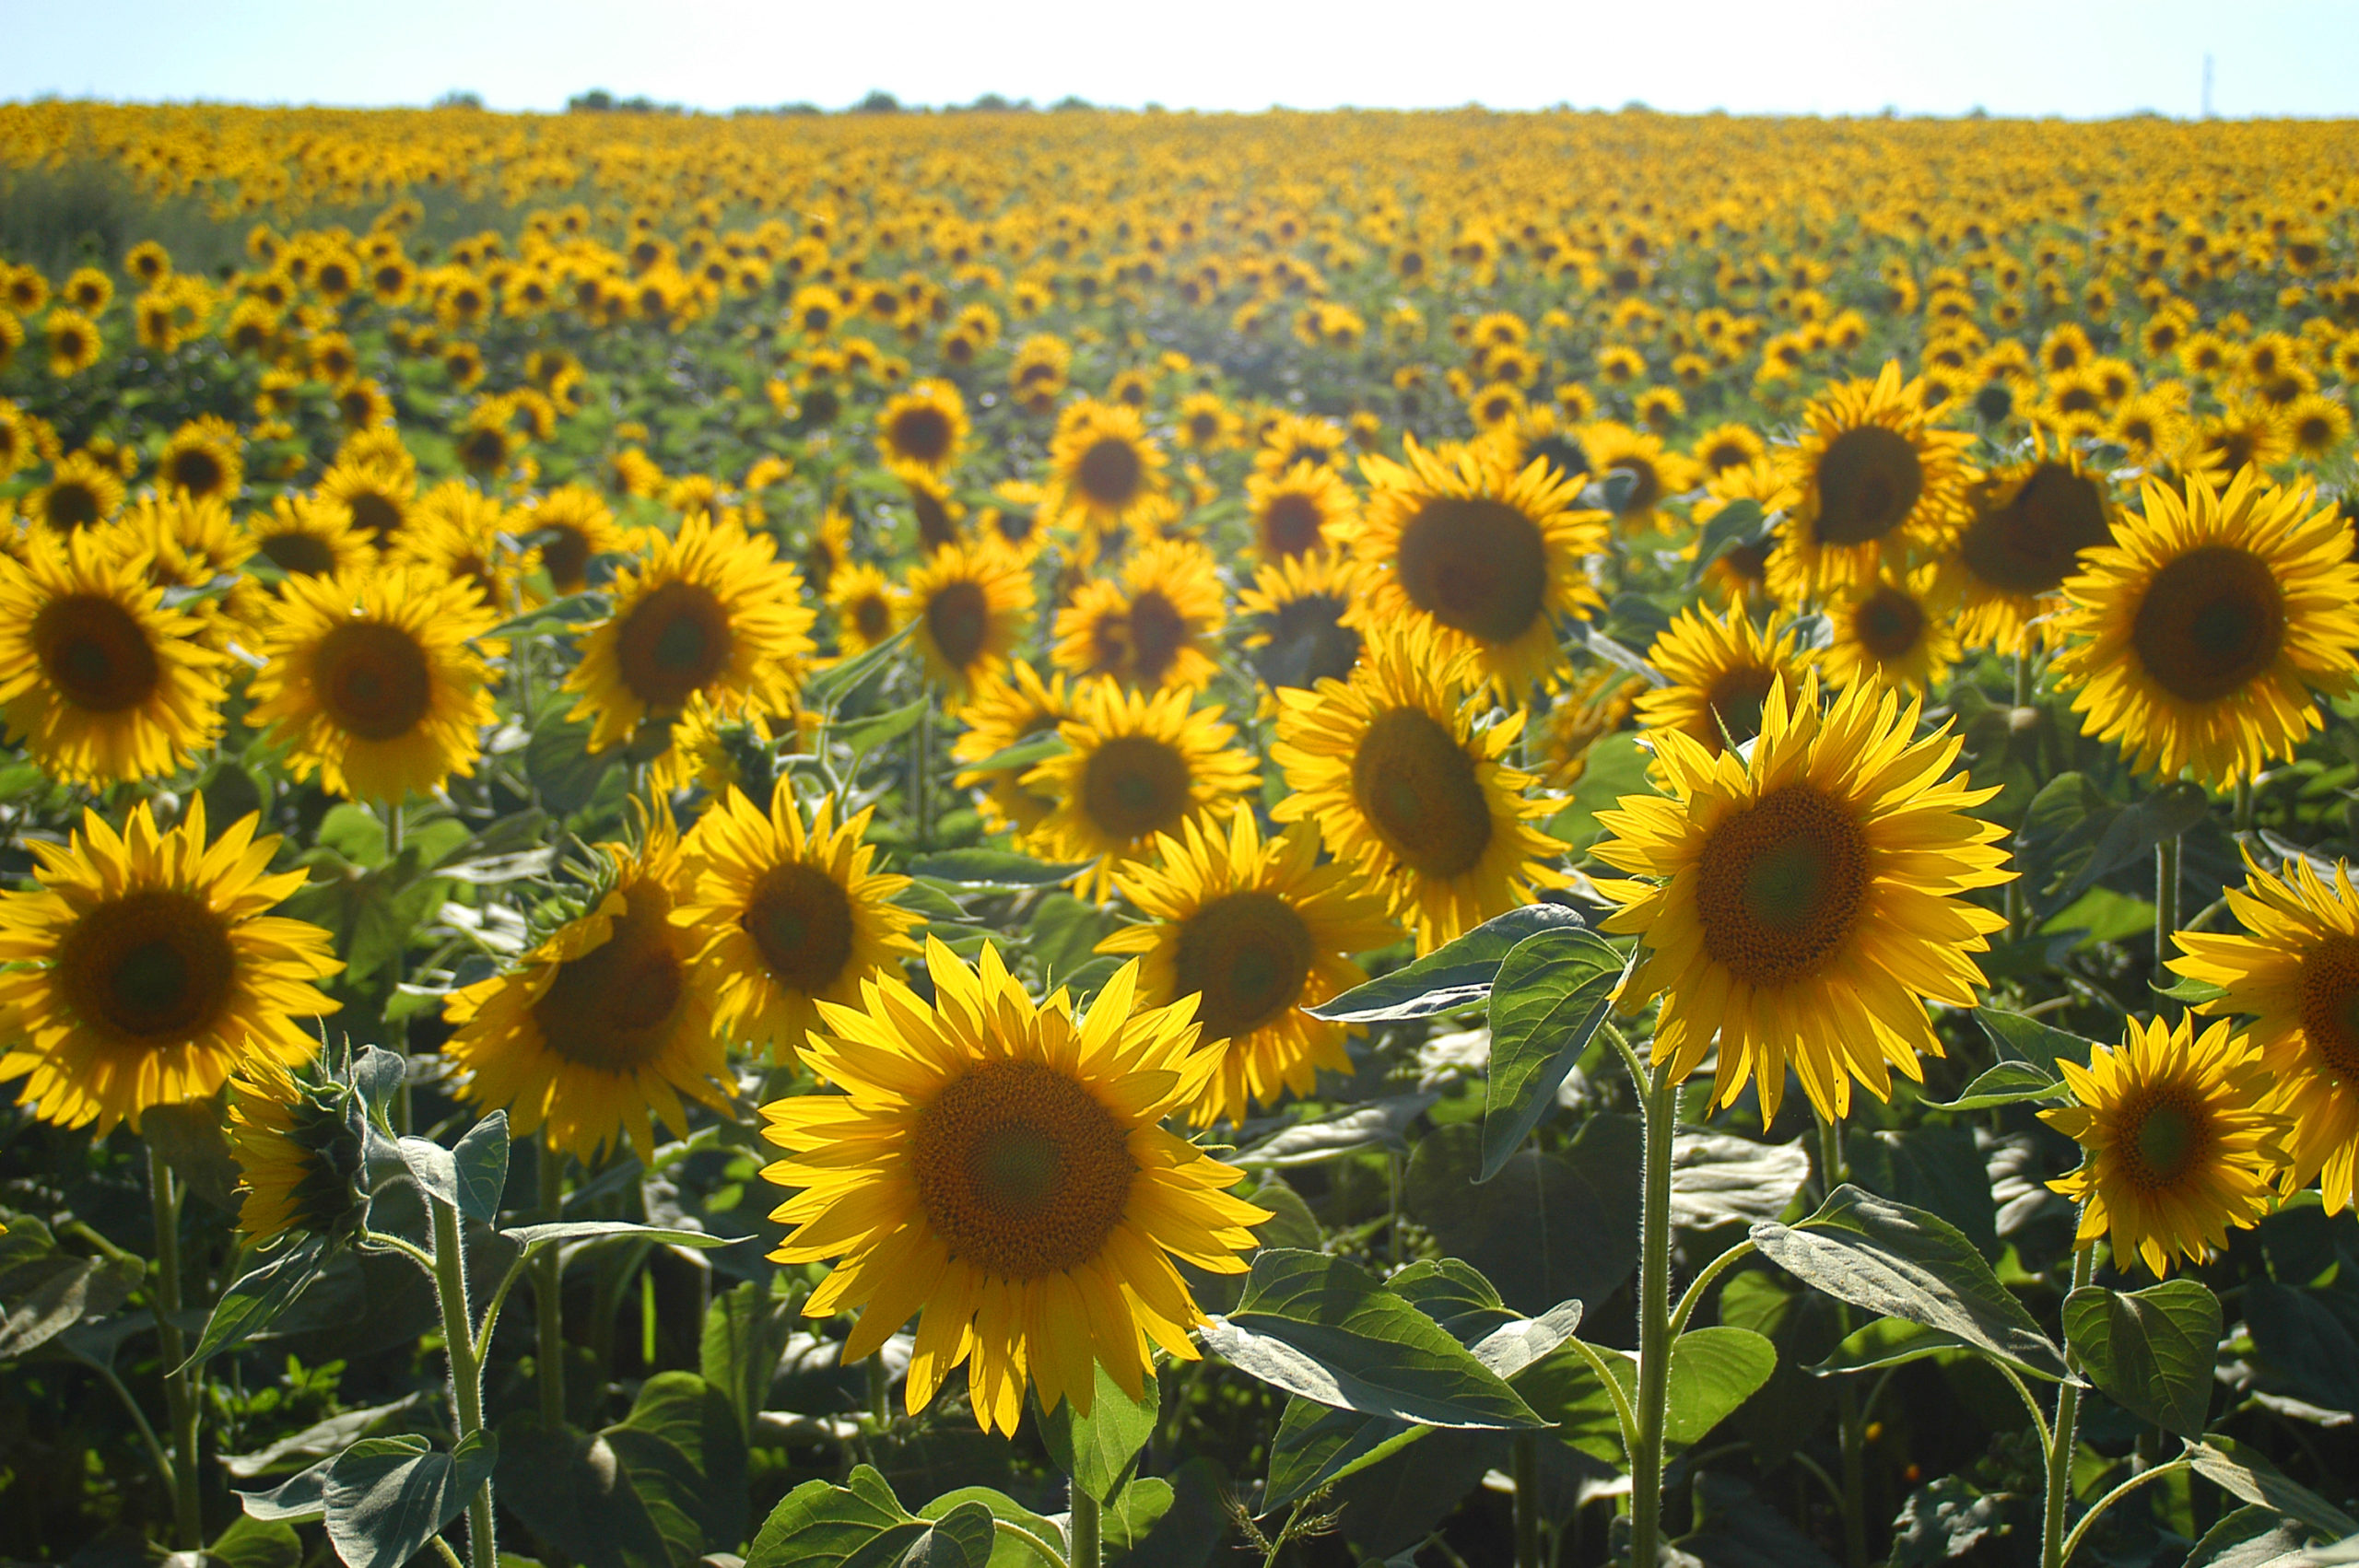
(2207, 85)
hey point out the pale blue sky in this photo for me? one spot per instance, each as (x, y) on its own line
(2272, 57)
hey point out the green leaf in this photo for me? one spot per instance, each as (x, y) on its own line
(1903, 1262)
(256, 1298)
(994, 867)
(745, 1331)
(1377, 1124)
(820, 1524)
(387, 1496)
(824, 691)
(573, 1491)
(1938, 1169)
(300, 1496)
(2300, 1346)
(191, 1138)
(872, 731)
(562, 767)
(1612, 768)
(2130, 837)
(685, 1453)
(1942, 1520)
(1731, 526)
(2252, 1537)
(249, 1542)
(2027, 1039)
(322, 1439)
(557, 615)
(49, 1291)
(1128, 1519)
(1548, 1227)
(2150, 1351)
(2243, 1472)
(1550, 995)
(1096, 1450)
(432, 1167)
(1712, 1372)
(1023, 753)
(1326, 1329)
(1566, 1388)
(1457, 973)
(607, 1230)
(1007, 1551)
(2008, 1083)
(480, 1167)
(1888, 1341)
(1718, 1179)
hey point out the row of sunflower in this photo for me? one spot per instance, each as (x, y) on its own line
(685, 669)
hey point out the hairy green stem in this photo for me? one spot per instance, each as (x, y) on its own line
(1851, 1423)
(2110, 1498)
(2165, 903)
(1693, 1297)
(1040, 1549)
(1661, 1095)
(466, 1368)
(1086, 1552)
(180, 1383)
(2061, 1439)
(1527, 1500)
(548, 1285)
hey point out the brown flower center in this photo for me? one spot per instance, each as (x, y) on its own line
(95, 654)
(1779, 885)
(154, 966)
(1134, 786)
(2210, 622)
(1020, 1170)
(1476, 566)
(611, 1008)
(801, 919)
(673, 644)
(1869, 480)
(1246, 956)
(1418, 787)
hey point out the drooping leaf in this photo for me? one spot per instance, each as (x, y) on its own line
(2150, 1351)
(1938, 1169)
(1096, 1450)
(322, 1439)
(1457, 973)
(607, 1230)
(2243, 1472)
(1718, 1179)
(47, 1292)
(1377, 1124)
(2007, 1083)
(1547, 999)
(255, 1298)
(2251, 1537)
(1888, 1341)
(1903, 1262)
(479, 1166)
(2027, 1039)
(1731, 526)
(1325, 1328)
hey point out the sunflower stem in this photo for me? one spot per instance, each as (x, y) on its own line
(1084, 1553)
(466, 1368)
(2063, 1437)
(880, 1391)
(402, 1117)
(1851, 1421)
(1527, 1500)
(548, 1283)
(2245, 804)
(1660, 1093)
(2165, 902)
(180, 1382)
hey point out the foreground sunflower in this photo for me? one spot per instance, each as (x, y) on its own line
(1255, 930)
(1874, 480)
(99, 680)
(1389, 764)
(603, 1024)
(2179, 1135)
(2198, 638)
(299, 1140)
(1487, 558)
(786, 913)
(1140, 764)
(996, 1165)
(375, 683)
(971, 604)
(1799, 902)
(710, 610)
(1721, 670)
(148, 966)
(2296, 976)
(2024, 535)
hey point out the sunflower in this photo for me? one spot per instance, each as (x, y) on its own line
(2296, 976)
(923, 428)
(1156, 629)
(935, 511)
(1738, 578)
(1104, 468)
(74, 341)
(1206, 424)
(2027, 527)
(1725, 447)
(146, 967)
(1721, 670)
(1305, 509)
(1656, 473)
(1485, 557)
(1599, 704)
(303, 535)
(1802, 898)
(204, 460)
(998, 1165)
(1255, 930)
(828, 550)
(377, 494)
(180, 543)
(1304, 629)
(82, 492)
(2179, 1135)
(604, 1023)
(1897, 630)
(103, 683)
(1015, 519)
(457, 530)
(2199, 636)
(1540, 434)
(377, 683)
(1289, 438)
(1140, 764)
(2241, 435)
(1875, 479)
(299, 1140)
(709, 610)
(786, 913)
(1006, 710)
(867, 606)
(971, 604)
(571, 526)
(1391, 766)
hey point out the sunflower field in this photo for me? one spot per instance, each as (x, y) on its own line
(1055, 839)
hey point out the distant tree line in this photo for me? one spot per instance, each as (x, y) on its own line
(598, 101)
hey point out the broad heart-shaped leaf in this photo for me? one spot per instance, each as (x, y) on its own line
(302, 1495)
(1712, 1372)
(994, 867)
(606, 1230)
(1903, 1262)
(2008, 1083)
(1551, 993)
(820, 1524)
(1316, 1445)
(1325, 1328)
(432, 1167)
(249, 1542)
(2027, 1039)
(1457, 973)
(2150, 1352)
(259, 1295)
(46, 1291)
(387, 1496)
(2243, 1472)
(1008, 1551)
(1096, 1450)
(685, 1454)
(479, 1164)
